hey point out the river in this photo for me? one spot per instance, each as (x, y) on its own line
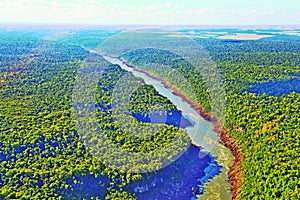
(202, 134)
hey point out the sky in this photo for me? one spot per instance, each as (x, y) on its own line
(154, 12)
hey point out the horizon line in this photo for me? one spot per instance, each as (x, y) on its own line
(144, 25)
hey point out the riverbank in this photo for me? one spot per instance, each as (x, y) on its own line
(234, 174)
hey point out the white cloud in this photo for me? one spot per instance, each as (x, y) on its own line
(95, 11)
(54, 11)
(151, 8)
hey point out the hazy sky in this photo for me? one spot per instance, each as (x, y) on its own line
(184, 12)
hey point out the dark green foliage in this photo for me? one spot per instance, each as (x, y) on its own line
(145, 57)
(41, 154)
(146, 100)
(40, 150)
(266, 128)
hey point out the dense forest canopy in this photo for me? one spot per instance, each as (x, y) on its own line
(42, 154)
(43, 157)
(265, 124)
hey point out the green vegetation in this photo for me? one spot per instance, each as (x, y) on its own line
(146, 100)
(127, 132)
(266, 128)
(117, 195)
(145, 57)
(42, 155)
(87, 38)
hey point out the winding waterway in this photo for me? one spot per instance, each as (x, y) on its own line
(201, 132)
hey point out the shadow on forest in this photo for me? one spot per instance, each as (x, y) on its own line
(277, 87)
(182, 179)
(173, 117)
